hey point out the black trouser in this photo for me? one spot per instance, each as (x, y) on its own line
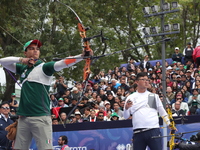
(143, 139)
(198, 61)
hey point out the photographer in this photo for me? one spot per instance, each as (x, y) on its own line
(195, 145)
(5, 121)
(61, 86)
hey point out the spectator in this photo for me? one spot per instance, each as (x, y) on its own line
(66, 100)
(119, 94)
(183, 80)
(102, 85)
(78, 117)
(92, 117)
(63, 118)
(157, 66)
(145, 64)
(61, 86)
(5, 121)
(194, 102)
(177, 111)
(99, 101)
(169, 94)
(123, 85)
(196, 55)
(75, 94)
(110, 99)
(183, 105)
(100, 116)
(53, 101)
(73, 103)
(103, 95)
(177, 56)
(107, 106)
(122, 102)
(131, 65)
(179, 93)
(72, 119)
(55, 121)
(86, 113)
(169, 82)
(187, 52)
(115, 85)
(94, 97)
(114, 116)
(62, 142)
(117, 110)
(122, 72)
(96, 88)
(13, 102)
(61, 103)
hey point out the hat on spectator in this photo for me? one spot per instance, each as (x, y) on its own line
(177, 48)
(188, 71)
(150, 69)
(13, 94)
(169, 68)
(72, 115)
(113, 80)
(106, 102)
(133, 75)
(174, 62)
(158, 71)
(178, 76)
(60, 99)
(12, 110)
(189, 43)
(74, 89)
(114, 115)
(77, 113)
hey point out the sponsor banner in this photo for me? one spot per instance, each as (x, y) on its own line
(107, 139)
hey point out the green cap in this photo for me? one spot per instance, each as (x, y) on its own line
(114, 115)
(13, 94)
(60, 99)
(37, 42)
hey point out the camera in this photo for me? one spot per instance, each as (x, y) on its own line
(194, 137)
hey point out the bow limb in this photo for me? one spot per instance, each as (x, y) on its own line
(86, 49)
(171, 143)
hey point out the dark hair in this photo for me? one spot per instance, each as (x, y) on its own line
(183, 95)
(64, 138)
(141, 74)
(3, 103)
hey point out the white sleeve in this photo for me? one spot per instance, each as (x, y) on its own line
(59, 65)
(10, 63)
(126, 113)
(162, 111)
(184, 52)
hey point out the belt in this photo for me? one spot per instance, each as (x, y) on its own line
(141, 130)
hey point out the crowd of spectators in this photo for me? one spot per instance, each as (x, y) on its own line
(105, 94)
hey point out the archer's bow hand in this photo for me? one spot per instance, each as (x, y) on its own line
(87, 53)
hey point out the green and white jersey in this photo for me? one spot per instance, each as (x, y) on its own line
(34, 100)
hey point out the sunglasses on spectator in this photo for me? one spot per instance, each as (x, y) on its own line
(100, 115)
(5, 107)
(178, 98)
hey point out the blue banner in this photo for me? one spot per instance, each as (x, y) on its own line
(107, 139)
